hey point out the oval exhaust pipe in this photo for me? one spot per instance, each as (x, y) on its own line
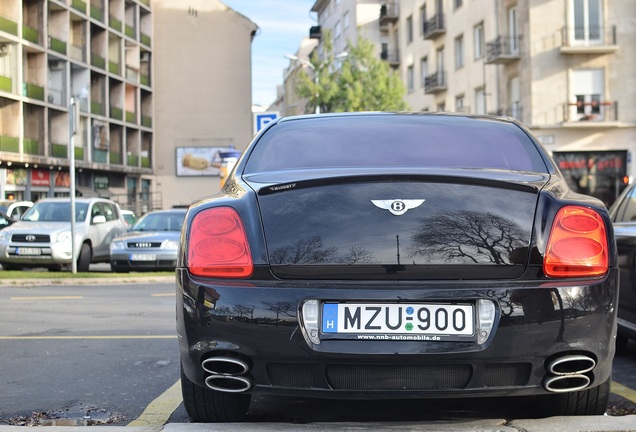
(228, 383)
(566, 383)
(574, 364)
(225, 366)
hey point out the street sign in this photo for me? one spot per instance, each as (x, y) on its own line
(263, 118)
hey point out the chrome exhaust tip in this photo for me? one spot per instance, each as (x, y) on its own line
(228, 383)
(225, 366)
(575, 364)
(566, 383)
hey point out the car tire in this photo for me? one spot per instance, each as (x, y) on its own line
(592, 401)
(210, 406)
(11, 267)
(84, 258)
(55, 268)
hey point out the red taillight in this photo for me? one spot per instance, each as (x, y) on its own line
(578, 244)
(218, 245)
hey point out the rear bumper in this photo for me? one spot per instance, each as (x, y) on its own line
(257, 324)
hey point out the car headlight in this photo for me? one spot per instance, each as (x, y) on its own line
(63, 237)
(118, 244)
(4, 236)
(171, 244)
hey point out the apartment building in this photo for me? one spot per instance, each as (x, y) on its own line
(146, 98)
(203, 94)
(565, 68)
(98, 52)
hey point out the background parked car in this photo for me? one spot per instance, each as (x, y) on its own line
(42, 238)
(14, 209)
(151, 244)
(623, 213)
(129, 216)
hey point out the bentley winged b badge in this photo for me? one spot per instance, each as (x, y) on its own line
(398, 206)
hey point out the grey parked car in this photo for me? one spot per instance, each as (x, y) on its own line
(42, 238)
(151, 244)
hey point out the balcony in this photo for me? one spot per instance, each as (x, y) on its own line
(145, 39)
(146, 121)
(435, 83)
(6, 84)
(392, 57)
(389, 14)
(590, 40)
(8, 26)
(434, 27)
(59, 150)
(116, 113)
(79, 5)
(9, 144)
(503, 50)
(97, 13)
(592, 114)
(31, 146)
(114, 23)
(131, 117)
(114, 68)
(30, 34)
(57, 45)
(98, 61)
(315, 33)
(129, 31)
(97, 108)
(33, 91)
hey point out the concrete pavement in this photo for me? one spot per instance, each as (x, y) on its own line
(553, 424)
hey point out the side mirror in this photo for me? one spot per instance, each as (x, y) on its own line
(99, 219)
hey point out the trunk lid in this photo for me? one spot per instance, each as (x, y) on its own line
(392, 226)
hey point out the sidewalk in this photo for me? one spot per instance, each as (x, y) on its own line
(553, 424)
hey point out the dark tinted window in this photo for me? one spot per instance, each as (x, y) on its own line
(394, 141)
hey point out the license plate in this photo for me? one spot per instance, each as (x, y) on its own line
(143, 257)
(28, 251)
(392, 321)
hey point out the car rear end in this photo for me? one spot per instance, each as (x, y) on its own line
(456, 263)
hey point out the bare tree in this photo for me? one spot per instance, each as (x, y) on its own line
(467, 235)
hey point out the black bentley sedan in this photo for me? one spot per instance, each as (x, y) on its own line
(384, 255)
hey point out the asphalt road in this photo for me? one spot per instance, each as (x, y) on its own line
(88, 354)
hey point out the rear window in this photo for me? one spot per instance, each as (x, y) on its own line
(394, 141)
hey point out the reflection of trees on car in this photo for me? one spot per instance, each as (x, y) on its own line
(465, 235)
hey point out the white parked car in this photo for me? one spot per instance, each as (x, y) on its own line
(42, 238)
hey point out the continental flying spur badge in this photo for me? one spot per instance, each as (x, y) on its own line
(397, 206)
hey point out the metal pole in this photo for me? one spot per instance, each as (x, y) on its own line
(72, 120)
(316, 81)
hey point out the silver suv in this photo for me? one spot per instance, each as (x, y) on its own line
(42, 238)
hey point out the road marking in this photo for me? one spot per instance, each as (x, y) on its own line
(164, 295)
(48, 298)
(623, 391)
(87, 337)
(158, 412)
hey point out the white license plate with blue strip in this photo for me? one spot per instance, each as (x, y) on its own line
(390, 319)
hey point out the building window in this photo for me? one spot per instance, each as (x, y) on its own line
(345, 19)
(457, 3)
(410, 78)
(409, 29)
(441, 107)
(459, 104)
(424, 69)
(586, 99)
(441, 67)
(513, 30)
(459, 52)
(480, 43)
(480, 101)
(587, 20)
(422, 20)
(337, 31)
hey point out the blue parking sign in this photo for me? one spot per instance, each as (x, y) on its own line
(261, 119)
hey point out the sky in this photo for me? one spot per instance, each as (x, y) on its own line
(282, 26)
